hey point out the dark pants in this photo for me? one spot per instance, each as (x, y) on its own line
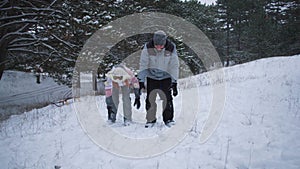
(162, 88)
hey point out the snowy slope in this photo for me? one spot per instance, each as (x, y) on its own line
(260, 127)
(19, 91)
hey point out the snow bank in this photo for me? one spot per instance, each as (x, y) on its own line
(260, 127)
(19, 91)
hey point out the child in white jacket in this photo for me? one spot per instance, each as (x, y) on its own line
(121, 78)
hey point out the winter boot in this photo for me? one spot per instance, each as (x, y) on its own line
(169, 123)
(150, 124)
(109, 111)
(127, 122)
(113, 116)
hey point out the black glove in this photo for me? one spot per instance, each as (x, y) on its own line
(137, 103)
(174, 88)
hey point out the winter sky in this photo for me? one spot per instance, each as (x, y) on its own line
(208, 2)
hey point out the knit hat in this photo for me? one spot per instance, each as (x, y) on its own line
(159, 38)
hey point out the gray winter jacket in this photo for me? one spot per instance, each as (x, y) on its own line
(159, 65)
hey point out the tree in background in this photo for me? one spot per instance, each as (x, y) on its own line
(285, 14)
(23, 30)
(259, 28)
(51, 34)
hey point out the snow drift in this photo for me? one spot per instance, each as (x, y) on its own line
(260, 127)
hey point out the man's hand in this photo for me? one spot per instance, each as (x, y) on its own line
(174, 88)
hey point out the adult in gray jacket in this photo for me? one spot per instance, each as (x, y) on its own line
(159, 68)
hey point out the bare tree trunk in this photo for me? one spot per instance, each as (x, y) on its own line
(227, 44)
(94, 80)
(2, 67)
(38, 78)
(3, 53)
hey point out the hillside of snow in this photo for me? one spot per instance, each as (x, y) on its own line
(19, 91)
(259, 127)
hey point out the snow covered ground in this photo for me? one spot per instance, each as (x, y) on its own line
(259, 129)
(19, 91)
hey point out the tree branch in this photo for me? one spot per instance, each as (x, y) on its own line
(22, 45)
(4, 3)
(25, 26)
(55, 51)
(64, 42)
(21, 16)
(17, 33)
(50, 47)
(68, 59)
(29, 3)
(28, 51)
(31, 9)
(24, 40)
(18, 22)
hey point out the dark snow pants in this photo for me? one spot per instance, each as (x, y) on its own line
(161, 88)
